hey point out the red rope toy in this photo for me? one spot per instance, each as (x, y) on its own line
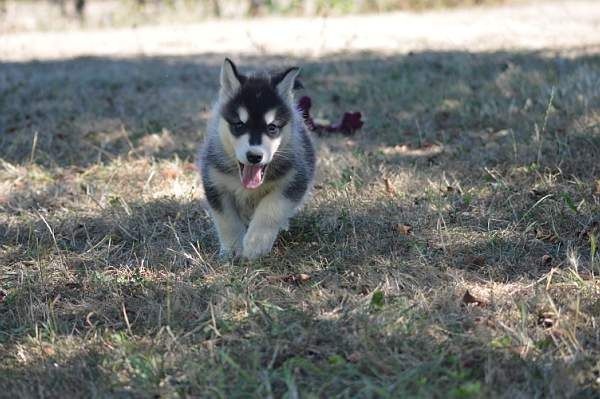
(350, 122)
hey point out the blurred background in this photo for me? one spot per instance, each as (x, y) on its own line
(35, 15)
(30, 29)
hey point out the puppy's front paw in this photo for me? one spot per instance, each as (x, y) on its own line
(230, 252)
(226, 254)
(257, 245)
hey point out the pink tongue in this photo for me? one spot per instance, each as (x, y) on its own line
(252, 176)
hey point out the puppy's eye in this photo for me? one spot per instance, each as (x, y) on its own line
(272, 129)
(238, 127)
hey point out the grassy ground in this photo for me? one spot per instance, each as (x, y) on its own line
(111, 286)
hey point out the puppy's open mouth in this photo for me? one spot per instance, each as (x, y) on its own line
(252, 176)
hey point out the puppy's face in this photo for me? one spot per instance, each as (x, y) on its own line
(256, 115)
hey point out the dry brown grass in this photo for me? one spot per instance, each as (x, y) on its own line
(108, 259)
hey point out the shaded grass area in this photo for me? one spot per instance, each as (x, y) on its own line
(108, 258)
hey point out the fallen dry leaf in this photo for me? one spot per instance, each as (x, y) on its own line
(546, 260)
(404, 229)
(545, 235)
(299, 278)
(538, 192)
(476, 260)
(520, 350)
(547, 319)
(354, 357)
(190, 167)
(389, 187)
(556, 333)
(597, 192)
(469, 299)
(48, 350)
(170, 172)
(486, 321)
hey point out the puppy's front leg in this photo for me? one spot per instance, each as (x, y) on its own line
(230, 229)
(271, 215)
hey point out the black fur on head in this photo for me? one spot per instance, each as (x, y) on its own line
(257, 94)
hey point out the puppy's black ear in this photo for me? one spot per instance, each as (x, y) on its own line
(231, 80)
(285, 81)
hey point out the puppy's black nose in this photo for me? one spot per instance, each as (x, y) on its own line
(253, 158)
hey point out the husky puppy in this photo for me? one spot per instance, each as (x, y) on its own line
(257, 162)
